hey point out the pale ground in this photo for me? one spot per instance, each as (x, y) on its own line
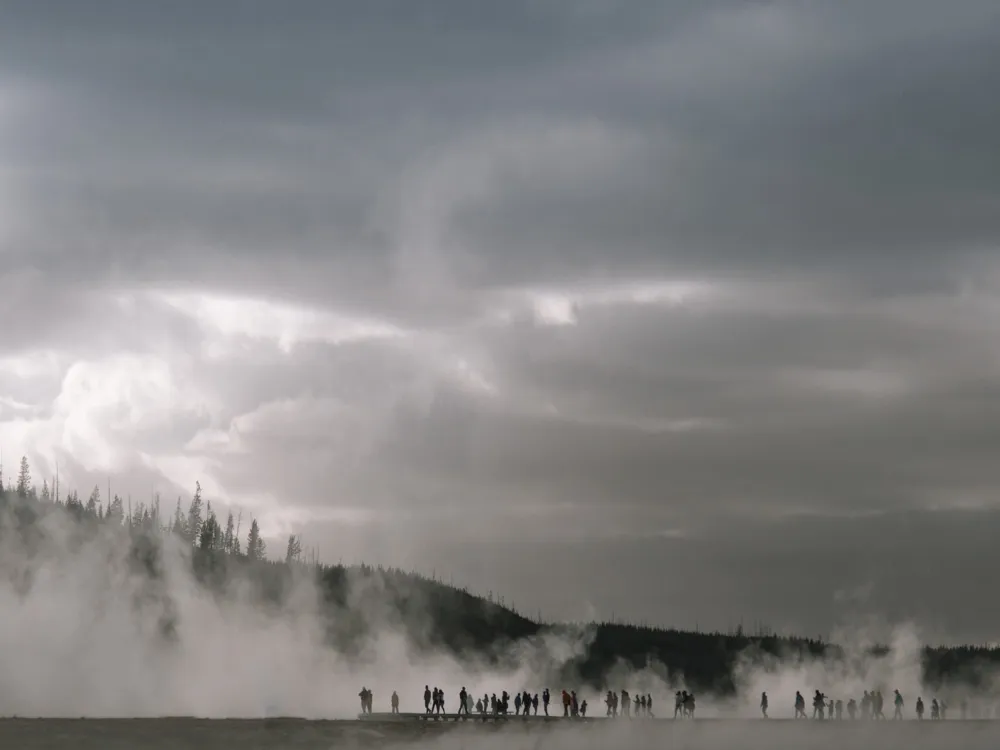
(111, 734)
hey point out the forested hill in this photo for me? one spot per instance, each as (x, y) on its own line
(357, 599)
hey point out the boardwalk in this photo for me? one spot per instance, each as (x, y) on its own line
(473, 717)
(388, 731)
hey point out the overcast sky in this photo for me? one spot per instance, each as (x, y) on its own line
(680, 311)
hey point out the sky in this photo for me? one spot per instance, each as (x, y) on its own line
(680, 312)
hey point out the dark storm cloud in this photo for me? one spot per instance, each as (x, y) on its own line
(763, 133)
(630, 274)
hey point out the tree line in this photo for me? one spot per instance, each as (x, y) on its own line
(198, 525)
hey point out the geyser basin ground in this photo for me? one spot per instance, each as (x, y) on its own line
(707, 734)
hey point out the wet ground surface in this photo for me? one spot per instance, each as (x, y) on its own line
(295, 734)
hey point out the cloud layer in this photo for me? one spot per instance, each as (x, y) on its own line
(696, 296)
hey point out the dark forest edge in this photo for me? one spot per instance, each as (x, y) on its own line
(355, 599)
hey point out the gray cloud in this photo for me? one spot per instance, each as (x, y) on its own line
(525, 290)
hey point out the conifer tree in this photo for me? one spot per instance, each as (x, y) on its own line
(116, 512)
(194, 519)
(211, 534)
(179, 526)
(230, 534)
(94, 502)
(46, 496)
(294, 549)
(24, 479)
(255, 545)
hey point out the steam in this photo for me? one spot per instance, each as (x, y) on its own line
(85, 633)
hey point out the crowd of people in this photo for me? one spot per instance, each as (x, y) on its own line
(526, 704)
(870, 707)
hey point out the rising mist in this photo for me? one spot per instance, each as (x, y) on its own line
(104, 620)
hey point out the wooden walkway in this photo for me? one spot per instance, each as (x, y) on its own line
(472, 717)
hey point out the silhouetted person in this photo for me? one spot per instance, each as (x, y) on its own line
(763, 704)
(866, 704)
(897, 703)
(829, 709)
(463, 705)
(493, 704)
(852, 708)
(642, 704)
(608, 701)
(638, 706)
(574, 704)
(534, 704)
(689, 705)
(678, 703)
(479, 706)
(394, 702)
(935, 709)
(517, 705)
(545, 701)
(427, 699)
(649, 705)
(920, 708)
(800, 706)
(879, 705)
(583, 710)
(819, 703)
(840, 709)
(626, 705)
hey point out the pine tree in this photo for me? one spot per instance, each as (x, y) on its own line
(179, 525)
(94, 502)
(230, 535)
(211, 533)
(219, 544)
(116, 512)
(46, 495)
(294, 549)
(194, 518)
(255, 545)
(24, 479)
